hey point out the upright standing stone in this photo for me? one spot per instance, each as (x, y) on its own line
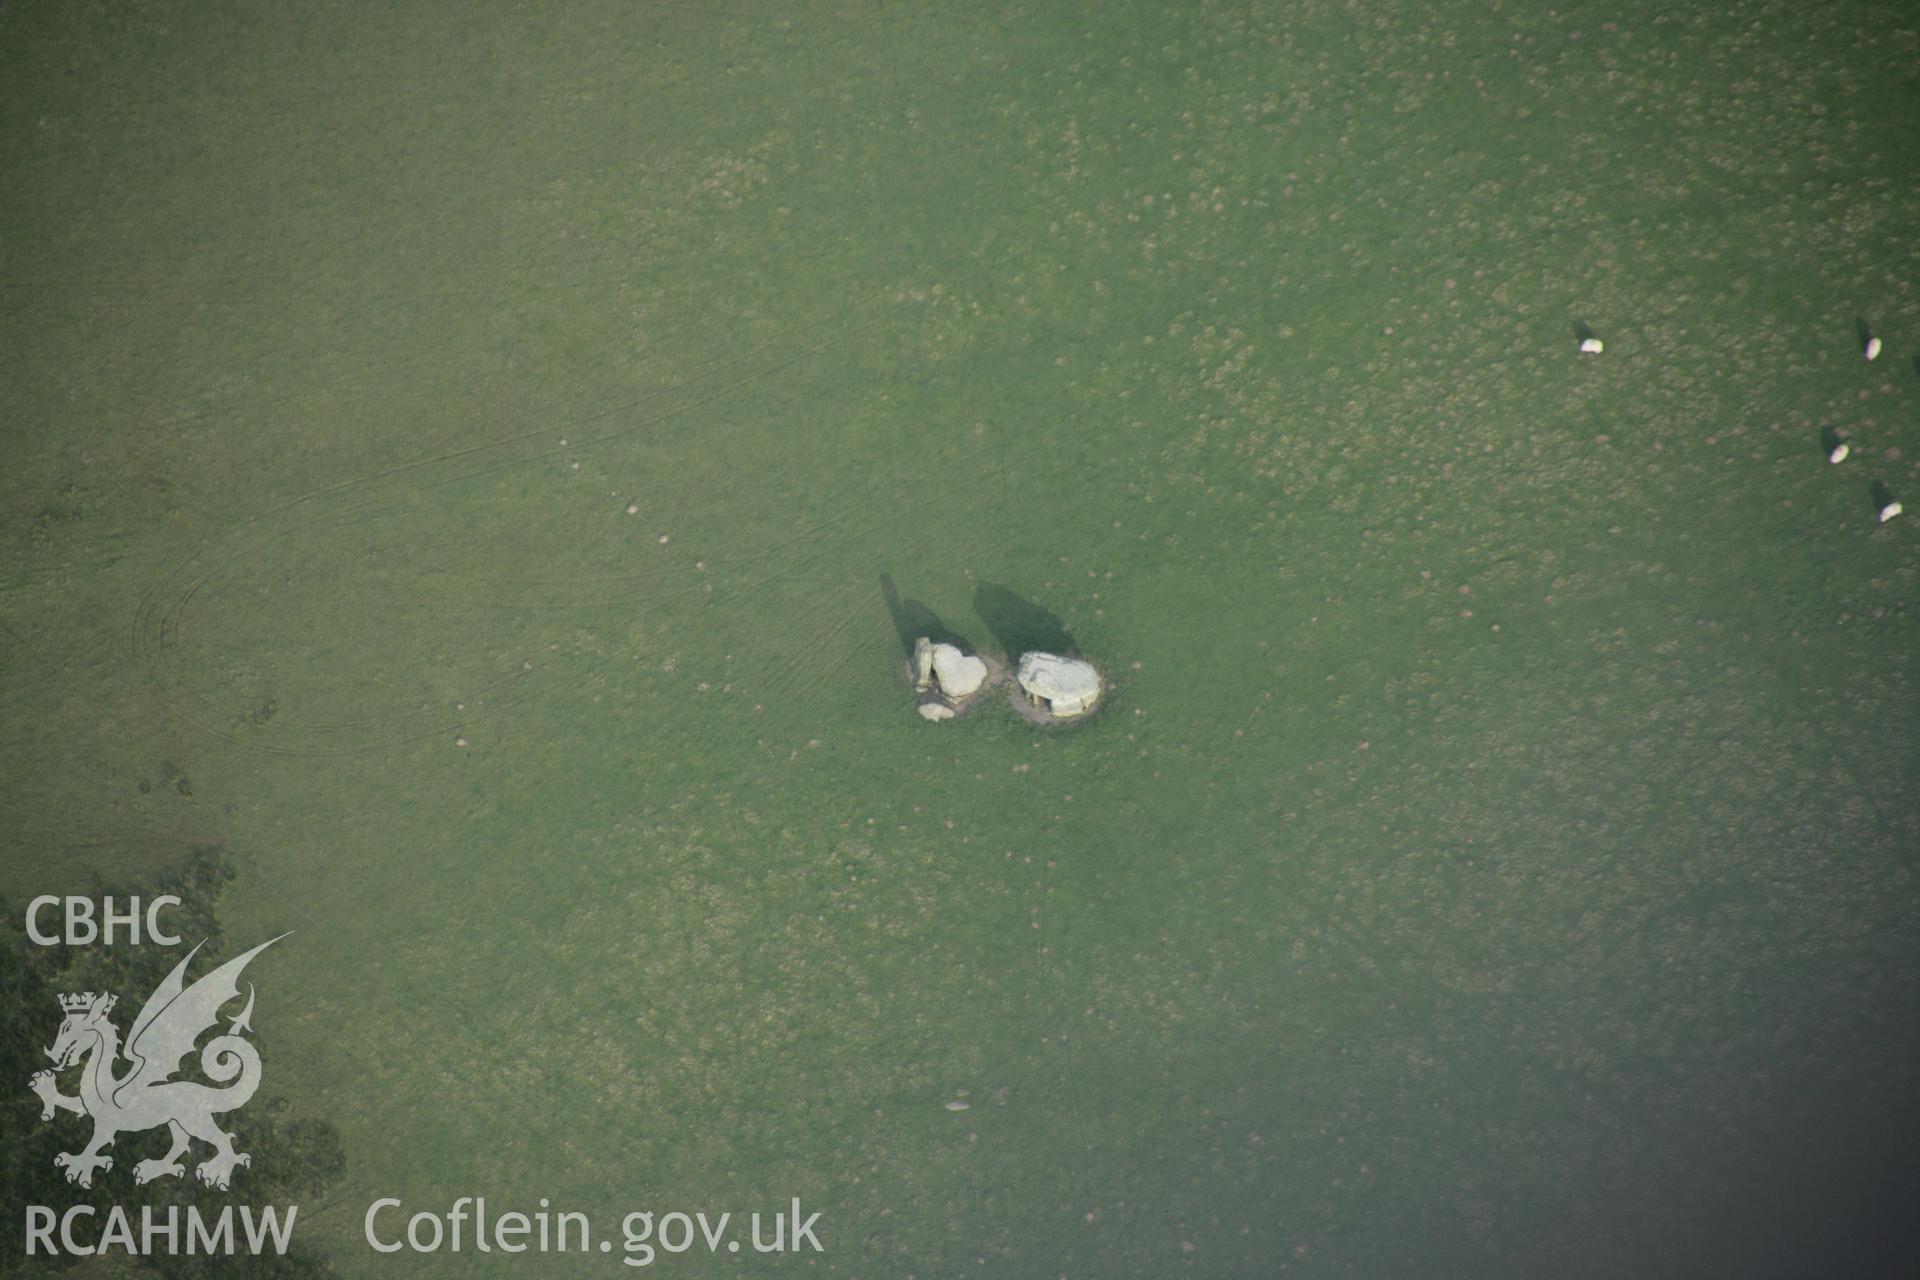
(922, 663)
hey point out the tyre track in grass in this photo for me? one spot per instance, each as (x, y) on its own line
(161, 616)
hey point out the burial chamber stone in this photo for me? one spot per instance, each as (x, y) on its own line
(922, 663)
(960, 674)
(1065, 686)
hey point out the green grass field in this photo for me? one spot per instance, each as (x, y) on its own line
(452, 454)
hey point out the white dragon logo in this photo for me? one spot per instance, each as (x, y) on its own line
(144, 1098)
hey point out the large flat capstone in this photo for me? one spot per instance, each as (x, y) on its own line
(1067, 686)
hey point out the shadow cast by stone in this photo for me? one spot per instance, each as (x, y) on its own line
(1019, 625)
(912, 620)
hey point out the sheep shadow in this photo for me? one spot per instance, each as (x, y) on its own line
(1019, 625)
